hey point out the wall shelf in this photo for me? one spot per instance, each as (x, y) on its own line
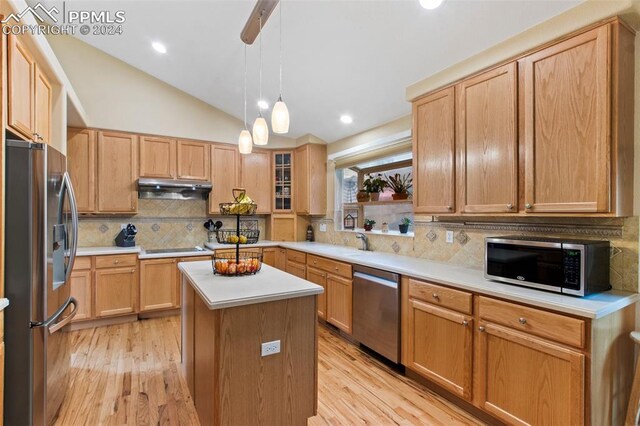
(377, 203)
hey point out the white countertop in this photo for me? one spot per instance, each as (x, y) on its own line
(145, 255)
(4, 302)
(593, 306)
(261, 243)
(269, 284)
(103, 251)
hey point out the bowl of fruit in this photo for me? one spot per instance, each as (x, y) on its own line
(230, 265)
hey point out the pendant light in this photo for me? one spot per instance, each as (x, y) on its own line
(280, 113)
(260, 128)
(245, 142)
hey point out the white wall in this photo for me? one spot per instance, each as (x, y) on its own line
(118, 96)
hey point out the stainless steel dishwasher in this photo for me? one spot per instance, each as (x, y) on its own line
(376, 311)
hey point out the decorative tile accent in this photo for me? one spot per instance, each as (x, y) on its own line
(189, 227)
(396, 247)
(614, 251)
(103, 228)
(155, 227)
(603, 231)
(432, 235)
(462, 238)
(249, 225)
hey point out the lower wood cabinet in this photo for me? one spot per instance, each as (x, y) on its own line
(297, 269)
(440, 346)
(82, 290)
(269, 256)
(116, 291)
(319, 277)
(281, 258)
(527, 380)
(340, 302)
(159, 284)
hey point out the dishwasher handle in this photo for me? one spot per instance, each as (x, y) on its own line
(374, 279)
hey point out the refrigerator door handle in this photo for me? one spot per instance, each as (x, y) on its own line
(51, 324)
(66, 184)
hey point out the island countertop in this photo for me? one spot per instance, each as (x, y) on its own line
(268, 285)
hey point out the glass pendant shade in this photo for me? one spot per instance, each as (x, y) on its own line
(280, 117)
(245, 143)
(260, 131)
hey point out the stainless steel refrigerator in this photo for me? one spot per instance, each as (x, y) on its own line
(41, 241)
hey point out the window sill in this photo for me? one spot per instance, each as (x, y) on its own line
(379, 232)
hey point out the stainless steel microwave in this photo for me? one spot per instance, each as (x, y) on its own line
(573, 267)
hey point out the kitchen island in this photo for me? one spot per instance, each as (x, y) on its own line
(233, 377)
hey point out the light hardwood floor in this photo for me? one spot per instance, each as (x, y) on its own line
(129, 374)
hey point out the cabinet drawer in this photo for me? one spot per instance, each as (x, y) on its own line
(296, 256)
(337, 268)
(460, 301)
(116, 261)
(559, 328)
(82, 263)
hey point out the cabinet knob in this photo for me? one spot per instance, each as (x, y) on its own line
(116, 261)
(465, 323)
(449, 208)
(481, 329)
(314, 262)
(435, 296)
(509, 206)
(522, 320)
(336, 268)
(528, 206)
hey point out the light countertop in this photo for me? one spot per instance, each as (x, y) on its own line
(259, 244)
(269, 284)
(593, 306)
(103, 251)
(144, 255)
(4, 302)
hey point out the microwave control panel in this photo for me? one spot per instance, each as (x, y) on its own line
(571, 260)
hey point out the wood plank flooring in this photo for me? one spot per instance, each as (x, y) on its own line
(129, 374)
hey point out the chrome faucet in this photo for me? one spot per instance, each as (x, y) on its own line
(365, 241)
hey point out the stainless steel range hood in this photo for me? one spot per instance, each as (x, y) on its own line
(171, 189)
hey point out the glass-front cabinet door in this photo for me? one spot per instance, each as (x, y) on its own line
(283, 187)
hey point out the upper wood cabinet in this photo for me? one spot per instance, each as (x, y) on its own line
(158, 157)
(81, 165)
(570, 148)
(487, 142)
(434, 153)
(21, 80)
(256, 170)
(225, 175)
(43, 106)
(310, 179)
(193, 160)
(283, 188)
(117, 172)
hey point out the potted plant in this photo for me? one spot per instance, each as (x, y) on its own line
(374, 185)
(400, 184)
(363, 196)
(404, 225)
(368, 224)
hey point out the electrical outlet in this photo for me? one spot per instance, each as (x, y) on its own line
(271, 348)
(450, 237)
(323, 227)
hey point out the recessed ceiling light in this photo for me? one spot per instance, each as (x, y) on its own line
(346, 119)
(262, 104)
(159, 47)
(430, 4)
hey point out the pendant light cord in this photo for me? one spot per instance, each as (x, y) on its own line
(280, 98)
(260, 109)
(245, 86)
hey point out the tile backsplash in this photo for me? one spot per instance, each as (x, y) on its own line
(160, 223)
(467, 249)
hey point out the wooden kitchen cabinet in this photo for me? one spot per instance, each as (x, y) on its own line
(310, 179)
(21, 69)
(116, 291)
(256, 170)
(283, 185)
(81, 164)
(487, 143)
(340, 302)
(440, 346)
(81, 287)
(193, 160)
(158, 157)
(117, 172)
(319, 277)
(281, 258)
(282, 227)
(225, 175)
(43, 106)
(527, 380)
(578, 104)
(297, 269)
(434, 153)
(159, 287)
(269, 256)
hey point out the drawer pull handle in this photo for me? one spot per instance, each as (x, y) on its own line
(528, 206)
(522, 320)
(116, 261)
(481, 329)
(465, 323)
(435, 296)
